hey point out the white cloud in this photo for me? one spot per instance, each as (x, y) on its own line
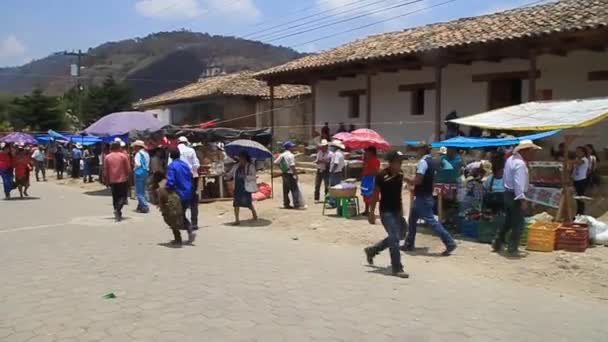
(12, 47)
(243, 9)
(169, 9)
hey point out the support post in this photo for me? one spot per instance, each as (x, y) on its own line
(313, 91)
(532, 77)
(368, 105)
(271, 140)
(438, 87)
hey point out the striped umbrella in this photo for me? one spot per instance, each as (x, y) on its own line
(254, 149)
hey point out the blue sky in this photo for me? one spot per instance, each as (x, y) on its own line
(31, 29)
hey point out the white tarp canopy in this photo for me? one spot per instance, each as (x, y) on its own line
(541, 116)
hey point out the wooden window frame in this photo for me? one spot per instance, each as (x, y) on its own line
(414, 89)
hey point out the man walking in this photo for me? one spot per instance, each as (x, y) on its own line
(422, 208)
(323, 160)
(116, 174)
(39, 158)
(141, 170)
(179, 180)
(389, 182)
(516, 182)
(188, 156)
(76, 156)
(287, 163)
(87, 162)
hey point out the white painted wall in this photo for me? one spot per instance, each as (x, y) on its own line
(565, 76)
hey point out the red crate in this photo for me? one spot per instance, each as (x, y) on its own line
(572, 237)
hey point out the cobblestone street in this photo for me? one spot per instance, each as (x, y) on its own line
(62, 253)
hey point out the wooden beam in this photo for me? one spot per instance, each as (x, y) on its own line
(513, 75)
(532, 77)
(272, 110)
(390, 70)
(368, 118)
(350, 76)
(599, 75)
(329, 78)
(313, 91)
(346, 93)
(416, 86)
(438, 78)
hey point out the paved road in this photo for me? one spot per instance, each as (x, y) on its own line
(60, 254)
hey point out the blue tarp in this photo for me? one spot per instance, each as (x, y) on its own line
(466, 142)
(85, 140)
(57, 136)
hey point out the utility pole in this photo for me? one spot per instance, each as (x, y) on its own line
(79, 87)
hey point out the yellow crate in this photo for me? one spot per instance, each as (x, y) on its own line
(541, 236)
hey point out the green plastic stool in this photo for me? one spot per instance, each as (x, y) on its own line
(342, 203)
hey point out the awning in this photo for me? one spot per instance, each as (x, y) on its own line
(466, 142)
(541, 116)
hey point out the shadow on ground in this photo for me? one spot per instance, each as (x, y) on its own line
(250, 223)
(103, 192)
(29, 198)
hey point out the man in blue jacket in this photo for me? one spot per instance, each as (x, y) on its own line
(179, 180)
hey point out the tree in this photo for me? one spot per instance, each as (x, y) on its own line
(36, 112)
(98, 101)
(5, 102)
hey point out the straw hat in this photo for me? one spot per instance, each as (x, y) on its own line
(526, 144)
(183, 139)
(138, 143)
(323, 142)
(338, 144)
(443, 150)
(79, 146)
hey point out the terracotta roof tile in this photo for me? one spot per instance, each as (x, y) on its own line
(567, 15)
(237, 84)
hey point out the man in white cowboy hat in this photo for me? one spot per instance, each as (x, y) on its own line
(516, 182)
(76, 155)
(188, 155)
(324, 156)
(289, 174)
(141, 170)
(336, 167)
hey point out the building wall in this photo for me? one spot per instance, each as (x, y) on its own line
(293, 118)
(565, 76)
(236, 111)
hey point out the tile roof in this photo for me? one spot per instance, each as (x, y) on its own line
(567, 15)
(237, 84)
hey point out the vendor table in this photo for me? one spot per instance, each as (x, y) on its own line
(219, 179)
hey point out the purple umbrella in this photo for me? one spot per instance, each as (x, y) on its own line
(123, 122)
(19, 138)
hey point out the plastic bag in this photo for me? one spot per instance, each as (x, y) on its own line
(598, 230)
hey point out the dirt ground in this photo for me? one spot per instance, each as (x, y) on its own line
(582, 274)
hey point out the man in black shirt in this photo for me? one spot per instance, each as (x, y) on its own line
(422, 207)
(390, 183)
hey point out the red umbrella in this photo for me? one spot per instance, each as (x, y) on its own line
(342, 136)
(364, 137)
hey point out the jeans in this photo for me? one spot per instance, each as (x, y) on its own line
(119, 195)
(580, 187)
(194, 204)
(393, 223)
(75, 168)
(140, 191)
(422, 208)
(39, 167)
(322, 177)
(7, 181)
(334, 179)
(290, 184)
(514, 221)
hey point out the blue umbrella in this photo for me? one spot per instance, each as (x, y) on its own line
(254, 149)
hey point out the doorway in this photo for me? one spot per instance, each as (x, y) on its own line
(504, 93)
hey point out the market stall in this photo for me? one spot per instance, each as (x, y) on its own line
(545, 116)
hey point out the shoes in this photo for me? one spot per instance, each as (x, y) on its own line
(369, 255)
(448, 251)
(176, 242)
(496, 246)
(117, 216)
(407, 248)
(142, 210)
(401, 274)
(287, 207)
(191, 238)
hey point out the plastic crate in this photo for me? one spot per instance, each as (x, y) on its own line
(572, 237)
(541, 236)
(469, 228)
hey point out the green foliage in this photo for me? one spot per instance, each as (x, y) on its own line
(5, 101)
(91, 103)
(36, 112)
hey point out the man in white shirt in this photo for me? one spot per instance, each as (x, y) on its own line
(287, 163)
(516, 181)
(579, 176)
(141, 170)
(38, 157)
(336, 167)
(323, 160)
(188, 155)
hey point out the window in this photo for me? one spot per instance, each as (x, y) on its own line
(417, 101)
(504, 93)
(354, 102)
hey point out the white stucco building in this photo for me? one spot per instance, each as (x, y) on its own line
(404, 83)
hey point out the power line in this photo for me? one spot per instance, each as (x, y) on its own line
(346, 20)
(330, 10)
